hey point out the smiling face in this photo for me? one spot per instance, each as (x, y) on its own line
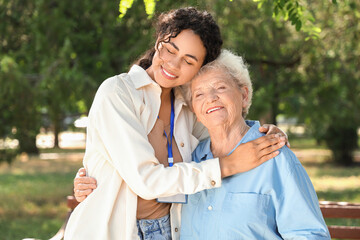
(217, 100)
(176, 62)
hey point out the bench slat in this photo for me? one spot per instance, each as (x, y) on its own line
(335, 211)
(344, 232)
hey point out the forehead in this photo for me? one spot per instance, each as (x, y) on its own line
(189, 43)
(211, 77)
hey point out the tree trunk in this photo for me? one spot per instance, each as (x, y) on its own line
(56, 133)
(342, 141)
(27, 142)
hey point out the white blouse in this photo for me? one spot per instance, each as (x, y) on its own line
(120, 157)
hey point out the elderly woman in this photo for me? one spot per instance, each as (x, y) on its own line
(278, 200)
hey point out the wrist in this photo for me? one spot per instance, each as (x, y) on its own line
(224, 167)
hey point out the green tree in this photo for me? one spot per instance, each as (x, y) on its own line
(332, 73)
(61, 54)
(293, 11)
(19, 87)
(272, 48)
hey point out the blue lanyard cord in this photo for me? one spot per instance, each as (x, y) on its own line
(169, 144)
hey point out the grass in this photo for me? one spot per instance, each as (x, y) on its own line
(33, 190)
(33, 196)
(331, 182)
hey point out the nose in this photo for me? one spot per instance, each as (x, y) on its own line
(174, 62)
(212, 97)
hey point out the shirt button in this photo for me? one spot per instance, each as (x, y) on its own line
(182, 144)
(210, 208)
(176, 229)
(213, 183)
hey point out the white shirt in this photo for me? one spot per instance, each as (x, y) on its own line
(120, 157)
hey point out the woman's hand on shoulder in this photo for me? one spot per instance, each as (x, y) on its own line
(273, 129)
(83, 185)
(251, 154)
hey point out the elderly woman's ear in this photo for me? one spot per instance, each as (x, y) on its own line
(245, 94)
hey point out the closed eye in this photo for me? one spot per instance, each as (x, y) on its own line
(169, 51)
(189, 63)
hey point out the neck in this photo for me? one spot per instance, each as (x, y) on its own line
(165, 94)
(225, 138)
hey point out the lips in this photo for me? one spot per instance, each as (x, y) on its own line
(213, 109)
(167, 74)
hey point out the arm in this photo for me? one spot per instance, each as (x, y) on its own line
(251, 154)
(117, 133)
(298, 214)
(259, 150)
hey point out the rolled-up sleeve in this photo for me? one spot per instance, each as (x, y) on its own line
(116, 131)
(298, 215)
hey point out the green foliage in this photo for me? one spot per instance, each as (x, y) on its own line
(293, 11)
(18, 117)
(332, 79)
(343, 140)
(124, 5)
(54, 57)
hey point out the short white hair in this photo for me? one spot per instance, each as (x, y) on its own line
(232, 65)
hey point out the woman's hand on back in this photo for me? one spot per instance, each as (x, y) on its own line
(83, 185)
(251, 154)
(273, 129)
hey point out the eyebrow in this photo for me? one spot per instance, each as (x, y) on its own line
(188, 55)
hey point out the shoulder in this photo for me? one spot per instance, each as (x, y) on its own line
(202, 151)
(114, 91)
(115, 84)
(287, 160)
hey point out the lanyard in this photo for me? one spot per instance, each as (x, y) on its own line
(169, 142)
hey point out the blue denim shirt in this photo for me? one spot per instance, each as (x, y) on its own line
(273, 201)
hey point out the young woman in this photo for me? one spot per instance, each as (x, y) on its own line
(139, 124)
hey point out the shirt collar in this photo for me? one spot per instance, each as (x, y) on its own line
(140, 77)
(252, 134)
(179, 96)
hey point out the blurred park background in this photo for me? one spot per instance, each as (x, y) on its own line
(55, 54)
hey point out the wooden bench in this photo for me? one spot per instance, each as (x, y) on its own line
(342, 210)
(328, 209)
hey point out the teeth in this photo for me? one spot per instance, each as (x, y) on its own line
(168, 74)
(213, 109)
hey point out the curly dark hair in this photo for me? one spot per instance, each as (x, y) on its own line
(173, 22)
